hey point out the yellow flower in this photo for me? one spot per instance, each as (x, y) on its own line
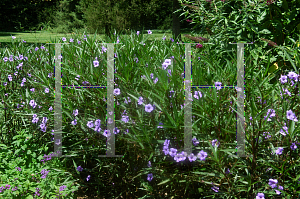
(273, 68)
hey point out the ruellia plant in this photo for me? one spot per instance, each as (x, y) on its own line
(149, 96)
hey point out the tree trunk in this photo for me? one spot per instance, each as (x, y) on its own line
(176, 22)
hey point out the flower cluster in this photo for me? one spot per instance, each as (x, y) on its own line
(35, 118)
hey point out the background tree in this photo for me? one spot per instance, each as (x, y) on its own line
(176, 21)
(104, 15)
(22, 15)
(66, 17)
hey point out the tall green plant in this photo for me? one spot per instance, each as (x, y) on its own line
(247, 21)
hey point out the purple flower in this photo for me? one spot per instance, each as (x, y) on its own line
(199, 46)
(149, 32)
(90, 124)
(32, 103)
(61, 188)
(213, 143)
(166, 150)
(172, 152)
(125, 118)
(98, 122)
(9, 78)
(79, 168)
(64, 39)
(106, 133)
(215, 189)
(202, 155)
(138, 32)
(117, 91)
(273, 183)
(227, 171)
(283, 79)
(148, 108)
(18, 168)
(195, 141)
(279, 151)
(7, 186)
(150, 177)
(293, 76)
(44, 173)
(104, 49)
(192, 157)
(75, 112)
(293, 146)
(88, 178)
(160, 126)
(218, 85)
(167, 142)
(96, 63)
(291, 116)
(5, 59)
(140, 101)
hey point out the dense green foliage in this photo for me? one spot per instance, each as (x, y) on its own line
(67, 15)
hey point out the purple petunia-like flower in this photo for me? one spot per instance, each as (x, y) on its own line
(150, 177)
(192, 157)
(172, 152)
(279, 151)
(79, 168)
(272, 183)
(148, 108)
(291, 116)
(117, 91)
(90, 124)
(96, 63)
(125, 118)
(202, 155)
(88, 178)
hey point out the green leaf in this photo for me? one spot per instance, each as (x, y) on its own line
(29, 197)
(291, 128)
(261, 17)
(285, 5)
(200, 190)
(164, 182)
(150, 156)
(75, 165)
(24, 146)
(298, 27)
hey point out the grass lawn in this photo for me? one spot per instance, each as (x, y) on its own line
(46, 36)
